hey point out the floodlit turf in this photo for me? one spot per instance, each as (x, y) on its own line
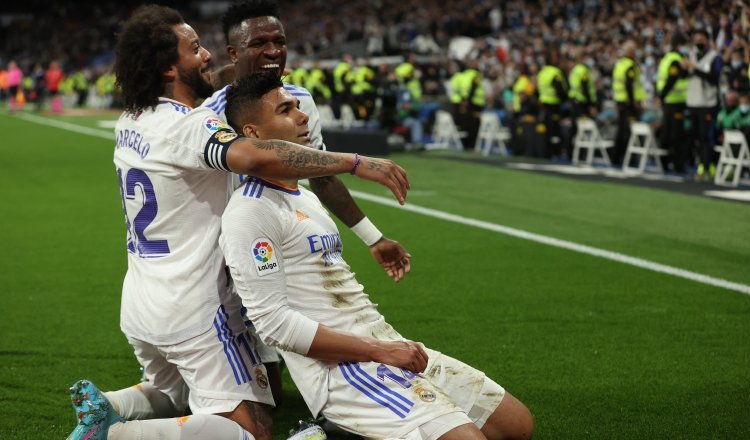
(595, 348)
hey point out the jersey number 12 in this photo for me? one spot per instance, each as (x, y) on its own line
(137, 240)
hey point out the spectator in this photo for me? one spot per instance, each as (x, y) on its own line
(15, 92)
(53, 77)
(704, 67)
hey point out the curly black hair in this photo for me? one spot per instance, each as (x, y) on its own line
(242, 10)
(146, 47)
(245, 93)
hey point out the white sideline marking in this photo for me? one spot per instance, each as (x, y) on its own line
(564, 244)
(513, 232)
(67, 126)
(110, 123)
(742, 196)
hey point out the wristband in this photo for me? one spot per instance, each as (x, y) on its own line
(357, 161)
(367, 232)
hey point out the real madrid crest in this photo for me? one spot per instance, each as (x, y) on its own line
(425, 394)
(261, 378)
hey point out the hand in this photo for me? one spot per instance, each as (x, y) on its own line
(408, 355)
(392, 257)
(387, 173)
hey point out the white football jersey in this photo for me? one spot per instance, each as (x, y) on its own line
(285, 256)
(218, 102)
(171, 165)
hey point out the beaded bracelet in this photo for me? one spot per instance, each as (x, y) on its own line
(357, 161)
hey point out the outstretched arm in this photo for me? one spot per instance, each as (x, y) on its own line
(275, 159)
(391, 256)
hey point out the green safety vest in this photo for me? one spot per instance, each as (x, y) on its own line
(298, 76)
(363, 81)
(342, 74)
(678, 94)
(619, 77)
(469, 77)
(456, 84)
(545, 78)
(579, 72)
(316, 83)
(404, 71)
(519, 88)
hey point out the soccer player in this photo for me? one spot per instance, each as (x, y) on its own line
(256, 41)
(178, 311)
(285, 256)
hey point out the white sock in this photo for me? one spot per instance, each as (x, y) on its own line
(140, 402)
(195, 427)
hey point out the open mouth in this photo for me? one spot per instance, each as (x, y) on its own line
(270, 67)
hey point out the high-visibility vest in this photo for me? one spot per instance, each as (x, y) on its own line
(619, 76)
(456, 84)
(522, 86)
(405, 74)
(678, 93)
(342, 76)
(404, 71)
(298, 76)
(469, 78)
(545, 79)
(363, 80)
(576, 78)
(316, 83)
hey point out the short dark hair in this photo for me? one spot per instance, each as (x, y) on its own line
(146, 47)
(244, 95)
(242, 10)
(701, 31)
(678, 39)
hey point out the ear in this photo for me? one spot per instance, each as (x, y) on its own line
(232, 52)
(251, 131)
(170, 74)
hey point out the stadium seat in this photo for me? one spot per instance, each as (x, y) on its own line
(588, 139)
(729, 168)
(445, 134)
(491, 135)
(327, 117)
(347, 119)
(642, 147)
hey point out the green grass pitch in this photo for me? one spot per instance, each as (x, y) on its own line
(595, 348)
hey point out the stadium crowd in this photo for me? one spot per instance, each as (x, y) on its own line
(395, 62)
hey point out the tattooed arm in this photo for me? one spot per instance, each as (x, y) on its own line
(275, 159)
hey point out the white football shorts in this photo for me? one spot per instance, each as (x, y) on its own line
(379, 401)
(217, 369)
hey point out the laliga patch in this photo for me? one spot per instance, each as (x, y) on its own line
(214, 124)
(264, 257)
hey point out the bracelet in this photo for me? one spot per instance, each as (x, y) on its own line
(367, 232)
(357, 161)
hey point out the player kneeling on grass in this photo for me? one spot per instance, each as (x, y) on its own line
(285, 256)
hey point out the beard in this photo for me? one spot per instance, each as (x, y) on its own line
(195, 81)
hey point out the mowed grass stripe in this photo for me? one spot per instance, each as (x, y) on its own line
(596, 349)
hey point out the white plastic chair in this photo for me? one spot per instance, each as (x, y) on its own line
(491, 135)
(347, 117)
(327, 117)
(445, 134)
(729, 168)
(588, 139)
(642, 147)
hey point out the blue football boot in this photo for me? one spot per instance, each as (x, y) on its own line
(93, 411)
